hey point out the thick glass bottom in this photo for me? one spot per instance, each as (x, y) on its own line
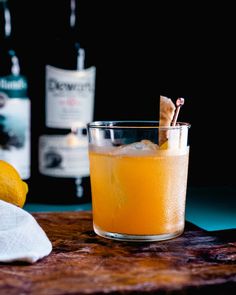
(136, 238)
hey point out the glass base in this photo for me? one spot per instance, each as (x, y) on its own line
(136, 238)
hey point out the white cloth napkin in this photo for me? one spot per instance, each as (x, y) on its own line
(21, 237)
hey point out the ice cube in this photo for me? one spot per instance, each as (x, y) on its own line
(148, 145)
(141, 147)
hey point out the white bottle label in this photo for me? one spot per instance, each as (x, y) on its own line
(59, 156)
(15, 134)
(69, 97)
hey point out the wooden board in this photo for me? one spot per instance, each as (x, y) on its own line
(83, 263)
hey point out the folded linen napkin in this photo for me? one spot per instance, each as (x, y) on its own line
(21, 237)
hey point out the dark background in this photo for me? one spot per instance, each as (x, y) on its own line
(142, 50)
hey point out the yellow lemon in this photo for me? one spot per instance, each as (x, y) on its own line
(164, 146)
(12, 189)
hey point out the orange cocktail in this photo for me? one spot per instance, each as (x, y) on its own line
(138, 193)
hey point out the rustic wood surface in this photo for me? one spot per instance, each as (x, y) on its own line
(83, 263)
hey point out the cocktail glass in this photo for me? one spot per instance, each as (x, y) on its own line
(138, 187)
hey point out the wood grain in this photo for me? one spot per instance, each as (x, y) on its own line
(83, 263)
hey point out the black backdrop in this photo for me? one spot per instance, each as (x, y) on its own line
(142, 50)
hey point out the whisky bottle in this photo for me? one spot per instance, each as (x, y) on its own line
(15, 107)
(68, 106)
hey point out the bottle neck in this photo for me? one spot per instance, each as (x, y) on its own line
(66, 21)
(73, 14)
(5, 21)
(74, 19)
(9, 62)
(66, 31)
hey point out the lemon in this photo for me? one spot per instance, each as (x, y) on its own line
(164, 146)
(12, 189)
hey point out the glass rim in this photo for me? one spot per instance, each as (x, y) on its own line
(134, 124)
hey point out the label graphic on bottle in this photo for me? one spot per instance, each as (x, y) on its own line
(59, 157)
(15, 124)
(69, 97)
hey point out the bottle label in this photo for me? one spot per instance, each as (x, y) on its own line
(69, 97)
(62, 156)
(15, 124)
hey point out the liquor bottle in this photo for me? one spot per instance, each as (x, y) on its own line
(14, 102)
(68, 106)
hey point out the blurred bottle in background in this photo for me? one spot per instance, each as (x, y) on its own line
(14, 102)
(65, 110)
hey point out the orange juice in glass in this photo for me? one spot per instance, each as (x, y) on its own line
(138, 187)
